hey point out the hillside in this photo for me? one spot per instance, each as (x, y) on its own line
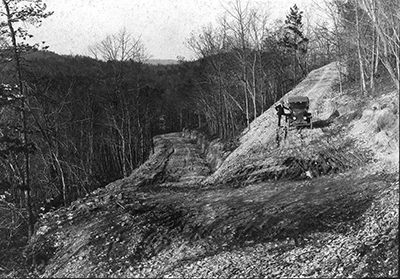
(362, 124)
(322, 204)
(162, 61)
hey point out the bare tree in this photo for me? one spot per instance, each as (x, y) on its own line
(258, 33)
(385, 19)
(217, 103)
(120, 47)
(240, 27)
(359, 53)
(369, 29)
(331, 10)
(247, 29)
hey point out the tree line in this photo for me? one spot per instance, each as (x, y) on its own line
(365, 34)
(70, 124)
(245, 64)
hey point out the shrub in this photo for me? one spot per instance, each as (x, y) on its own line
(13, 236)
(385, 120)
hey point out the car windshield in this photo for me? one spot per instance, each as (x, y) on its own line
(298, 105)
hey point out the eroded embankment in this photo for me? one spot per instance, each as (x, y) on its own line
(299, 154)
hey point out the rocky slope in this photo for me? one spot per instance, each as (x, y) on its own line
(322, 204)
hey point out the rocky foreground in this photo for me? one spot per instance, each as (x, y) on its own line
(324, 203)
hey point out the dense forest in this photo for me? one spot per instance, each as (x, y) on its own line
(71, 124)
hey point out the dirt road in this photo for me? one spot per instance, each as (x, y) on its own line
(185, 165)
(172, 225)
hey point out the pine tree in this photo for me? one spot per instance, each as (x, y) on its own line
(32, 11)
(293, 39)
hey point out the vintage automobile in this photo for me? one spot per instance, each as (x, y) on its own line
(299, 115)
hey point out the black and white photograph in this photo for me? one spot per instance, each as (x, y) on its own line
(199, 138)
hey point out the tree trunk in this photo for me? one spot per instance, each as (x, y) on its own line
(24, 120)
(372, 63)
(254, 86)
(360, 58)
(62, 179)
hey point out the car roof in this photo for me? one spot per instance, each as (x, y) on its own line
(298, 99)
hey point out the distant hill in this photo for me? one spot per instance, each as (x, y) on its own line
(50, 54)
(162, 61)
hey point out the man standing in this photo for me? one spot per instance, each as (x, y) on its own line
(280, 110)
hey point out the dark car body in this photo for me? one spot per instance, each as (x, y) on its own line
(299, 112)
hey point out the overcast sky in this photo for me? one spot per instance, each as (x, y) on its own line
(164, 25)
